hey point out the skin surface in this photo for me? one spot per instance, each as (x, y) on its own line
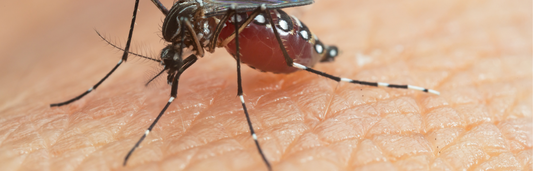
(478, 54)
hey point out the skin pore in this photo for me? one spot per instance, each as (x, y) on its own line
(476, 53)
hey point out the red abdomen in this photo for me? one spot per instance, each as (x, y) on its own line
(260, 49)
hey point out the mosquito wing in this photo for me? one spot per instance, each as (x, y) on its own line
(220, 7)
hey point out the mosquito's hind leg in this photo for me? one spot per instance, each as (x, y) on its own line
(291, 63)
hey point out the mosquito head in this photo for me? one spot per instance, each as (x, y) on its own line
(171, 57)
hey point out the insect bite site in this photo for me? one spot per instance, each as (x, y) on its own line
(266, 85)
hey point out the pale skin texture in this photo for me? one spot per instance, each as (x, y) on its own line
(476, 53)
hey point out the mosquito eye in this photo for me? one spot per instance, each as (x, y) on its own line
(168, 53)
(171, 28)
(164, 53)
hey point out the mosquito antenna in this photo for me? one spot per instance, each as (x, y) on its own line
(155, 77)
(119, 48)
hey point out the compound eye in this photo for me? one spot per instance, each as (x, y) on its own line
(171, 28)
(167, 53)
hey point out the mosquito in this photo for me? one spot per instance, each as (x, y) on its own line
(249, 30)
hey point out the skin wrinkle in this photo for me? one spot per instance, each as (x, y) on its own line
(467, 50)
(283, 152)
(193, 121)
(194, 118)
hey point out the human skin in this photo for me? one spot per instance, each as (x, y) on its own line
(478, 54)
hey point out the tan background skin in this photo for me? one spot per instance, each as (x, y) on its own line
(477, 53)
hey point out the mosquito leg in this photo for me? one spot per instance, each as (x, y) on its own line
(196, 44)
(250, 18)
(161, 7)
(130, 34)
(150, 128)
(288, 59)
(124, 58)
(240, 93)
(173, 93)
(218, 29)
(291, 63)
(375, 84)
(90, 89)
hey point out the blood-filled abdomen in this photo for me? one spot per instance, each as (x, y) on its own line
(260, 49)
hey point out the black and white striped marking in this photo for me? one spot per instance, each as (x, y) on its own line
(148, 130)
(376, 84)
(242, 102)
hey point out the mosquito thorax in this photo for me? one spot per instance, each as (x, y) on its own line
(193, 12)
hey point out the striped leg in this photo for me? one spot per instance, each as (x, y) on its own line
(173, 93)
(375, 84)
(240, 92)
(290, 62)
